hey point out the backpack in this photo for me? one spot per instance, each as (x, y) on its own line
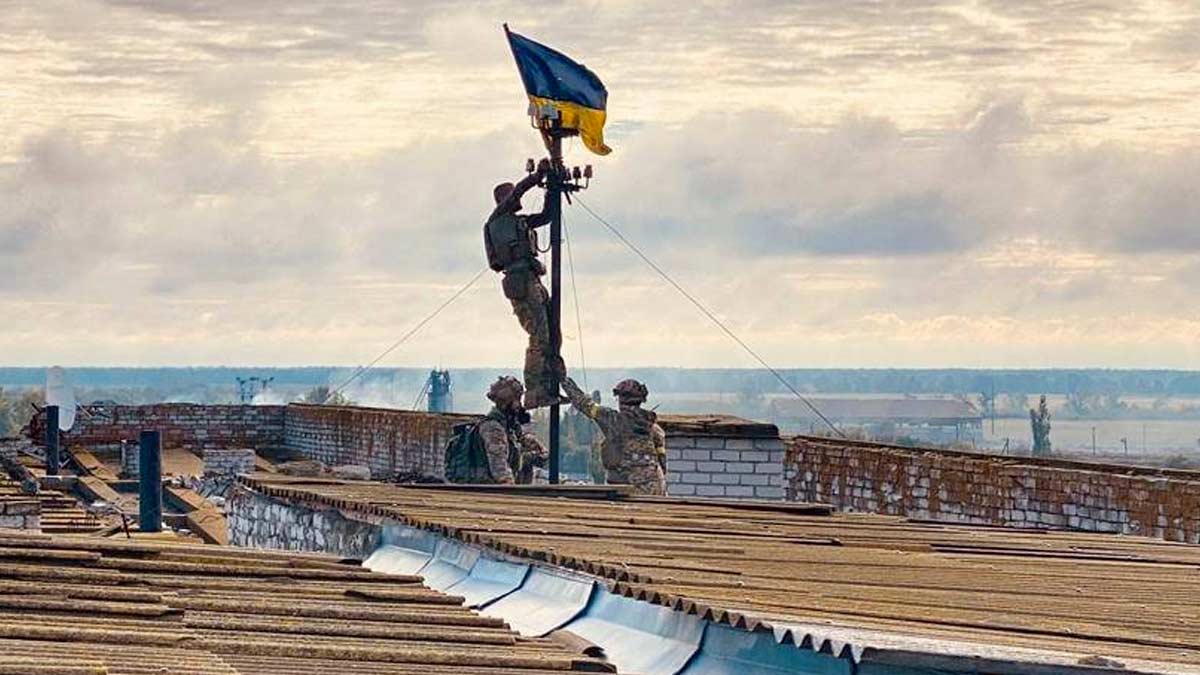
(466, 457)
(506, 240)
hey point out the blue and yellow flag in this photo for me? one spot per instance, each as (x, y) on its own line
(551, 78)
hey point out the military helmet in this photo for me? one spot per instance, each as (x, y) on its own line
(506, 390)
(630, 391)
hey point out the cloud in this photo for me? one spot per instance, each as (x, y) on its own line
(908, 224)
(310, 178)
(754, 183)
(204, 205)
(208, 204)
(1119, 200)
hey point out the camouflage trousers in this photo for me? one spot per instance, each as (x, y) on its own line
(646, 479)
(531, 303)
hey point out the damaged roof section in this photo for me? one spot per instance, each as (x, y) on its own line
(89, 605)
(25, 504)
(48, 511)
(875, 587)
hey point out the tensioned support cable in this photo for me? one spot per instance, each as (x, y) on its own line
(575, 295)
(412, 331)
(712, 317)
(421, 396)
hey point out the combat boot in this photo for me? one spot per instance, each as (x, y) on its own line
(533, 399)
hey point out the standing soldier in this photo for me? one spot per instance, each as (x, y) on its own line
(511, 450)
(629, 451)
(510, 239)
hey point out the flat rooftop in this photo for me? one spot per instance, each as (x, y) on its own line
(876, 582)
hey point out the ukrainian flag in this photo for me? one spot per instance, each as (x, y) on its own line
(551, 78)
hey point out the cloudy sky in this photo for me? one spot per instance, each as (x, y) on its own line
(846, 183)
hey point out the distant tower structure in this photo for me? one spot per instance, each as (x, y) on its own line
(249, 387)
(441, 397)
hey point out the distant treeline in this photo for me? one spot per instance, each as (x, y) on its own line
(671, 380)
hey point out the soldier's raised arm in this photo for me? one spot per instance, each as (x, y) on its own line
(580, 400)
(513, 198)
(605, 418)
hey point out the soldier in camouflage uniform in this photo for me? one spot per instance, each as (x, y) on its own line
(630, 452)
(510, 239)
(512, 451)
(659, 438)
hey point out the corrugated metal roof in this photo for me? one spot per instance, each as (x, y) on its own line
(60, 513)
(91, 605)
(876, 580)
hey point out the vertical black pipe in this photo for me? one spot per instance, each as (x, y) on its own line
(150, 481)
(554, 195)
(53, 443)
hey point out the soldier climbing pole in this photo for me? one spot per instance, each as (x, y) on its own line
(565, 99)
(560, 181)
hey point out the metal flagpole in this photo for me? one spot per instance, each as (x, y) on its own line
(554, 190)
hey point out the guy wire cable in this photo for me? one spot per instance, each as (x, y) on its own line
(412, 331)
(575, 293)
(712, 317)
(421, 395)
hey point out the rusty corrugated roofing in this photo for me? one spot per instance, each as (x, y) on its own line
(60, 513)
(1092, 595)
(92, 605)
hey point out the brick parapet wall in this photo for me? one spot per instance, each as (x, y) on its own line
(389, 442)
(183, 425)
(722, 456)
(21, 514)
(131, 459)
(978, 489)
(712, 456)
(258, 521)
(228, 461)
(706, 466)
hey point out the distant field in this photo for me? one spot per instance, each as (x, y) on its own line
(1144, 437)
(743, 392)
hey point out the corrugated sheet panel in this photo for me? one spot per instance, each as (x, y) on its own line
(545, 602)
(729, 651)
(637, 636)
(488, 581)
(93, 605)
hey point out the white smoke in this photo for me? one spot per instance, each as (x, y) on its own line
(384, 392)
(267, 397)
